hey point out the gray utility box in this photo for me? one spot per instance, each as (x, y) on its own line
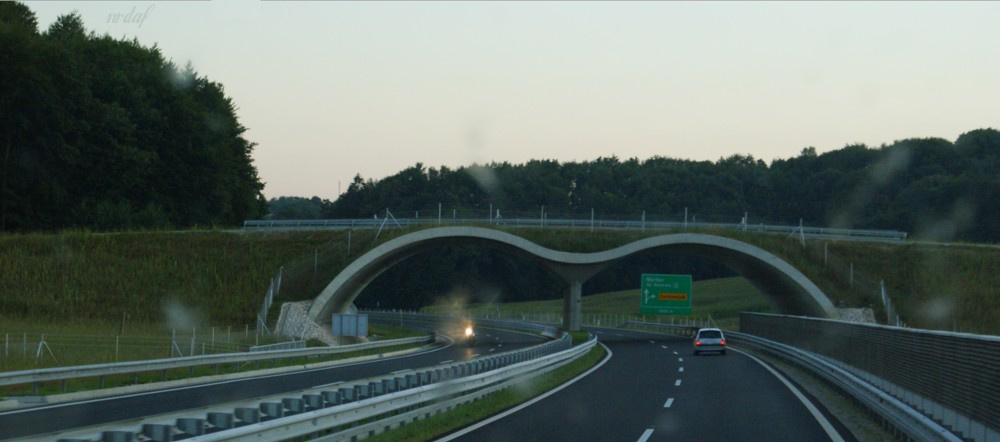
(350, 325)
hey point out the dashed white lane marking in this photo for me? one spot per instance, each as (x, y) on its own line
(445, 362)
(652, 342)
(675, 353)
(680, 359)
(664, 347)
(645, 435)
(678, 383)
(619, 334)
(823, 422)
(669, 403)
(477, 354)
(401, 371)
(492, 349)
(680, 369)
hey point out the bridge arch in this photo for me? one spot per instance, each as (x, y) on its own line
(783, 285)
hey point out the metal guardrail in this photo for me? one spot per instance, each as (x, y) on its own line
(951, 377)
(685, 330)
(133, 367)
(290, 345)
(897, 415)
(548, 330)
(367, 407)
(365, 223)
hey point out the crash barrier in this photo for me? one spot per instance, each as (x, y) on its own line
(290, 345)
(34, 377)
(951, 378)
(366, 407)
(683, 330)
(585, 223)
(388, 317)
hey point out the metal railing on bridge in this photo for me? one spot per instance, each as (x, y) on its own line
(574, 223)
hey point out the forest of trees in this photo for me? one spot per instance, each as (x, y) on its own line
(106, 134)
(931, 188)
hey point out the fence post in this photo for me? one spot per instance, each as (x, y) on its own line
(116, 348)
(193, 332)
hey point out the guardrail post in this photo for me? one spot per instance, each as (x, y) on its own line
(220, 421)
(191, 426)
(247, 415)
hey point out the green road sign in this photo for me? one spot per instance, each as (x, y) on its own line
(665, 295)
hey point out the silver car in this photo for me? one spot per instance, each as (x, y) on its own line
(709, 339)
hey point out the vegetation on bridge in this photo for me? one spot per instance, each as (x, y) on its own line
(220, 278)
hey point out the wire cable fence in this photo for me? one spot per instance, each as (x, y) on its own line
(29, 350)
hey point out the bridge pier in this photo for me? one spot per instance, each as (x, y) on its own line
(571, 306)
(574, 275)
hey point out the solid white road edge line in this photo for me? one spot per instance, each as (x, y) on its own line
(823, 422)
(645, 435)
(485, 422)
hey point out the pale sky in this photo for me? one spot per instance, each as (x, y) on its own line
(332, 89)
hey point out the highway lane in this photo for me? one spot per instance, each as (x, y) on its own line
(58, 417)
(654, 388)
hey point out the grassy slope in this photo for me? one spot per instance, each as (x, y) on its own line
(722, 299)
(221, 277)
(80, 276)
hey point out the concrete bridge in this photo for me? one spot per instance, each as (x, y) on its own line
(787, 289)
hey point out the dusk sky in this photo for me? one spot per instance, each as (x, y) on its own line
(333, 89)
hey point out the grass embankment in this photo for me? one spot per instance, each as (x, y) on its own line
(455, 419)
(210, 277)
(719, 299)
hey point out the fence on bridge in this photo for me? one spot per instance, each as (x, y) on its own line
(951, 377)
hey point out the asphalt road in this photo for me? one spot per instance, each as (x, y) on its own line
(654, 388)
(58, 417)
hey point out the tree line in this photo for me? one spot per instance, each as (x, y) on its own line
(931, 188)
(105, 134)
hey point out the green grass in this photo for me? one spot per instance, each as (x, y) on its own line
(718, 299)
(219, 278)
(459, 417)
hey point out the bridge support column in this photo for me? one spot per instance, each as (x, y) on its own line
(571, 306)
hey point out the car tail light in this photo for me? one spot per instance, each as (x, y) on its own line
(722, 342)
(697, 342)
